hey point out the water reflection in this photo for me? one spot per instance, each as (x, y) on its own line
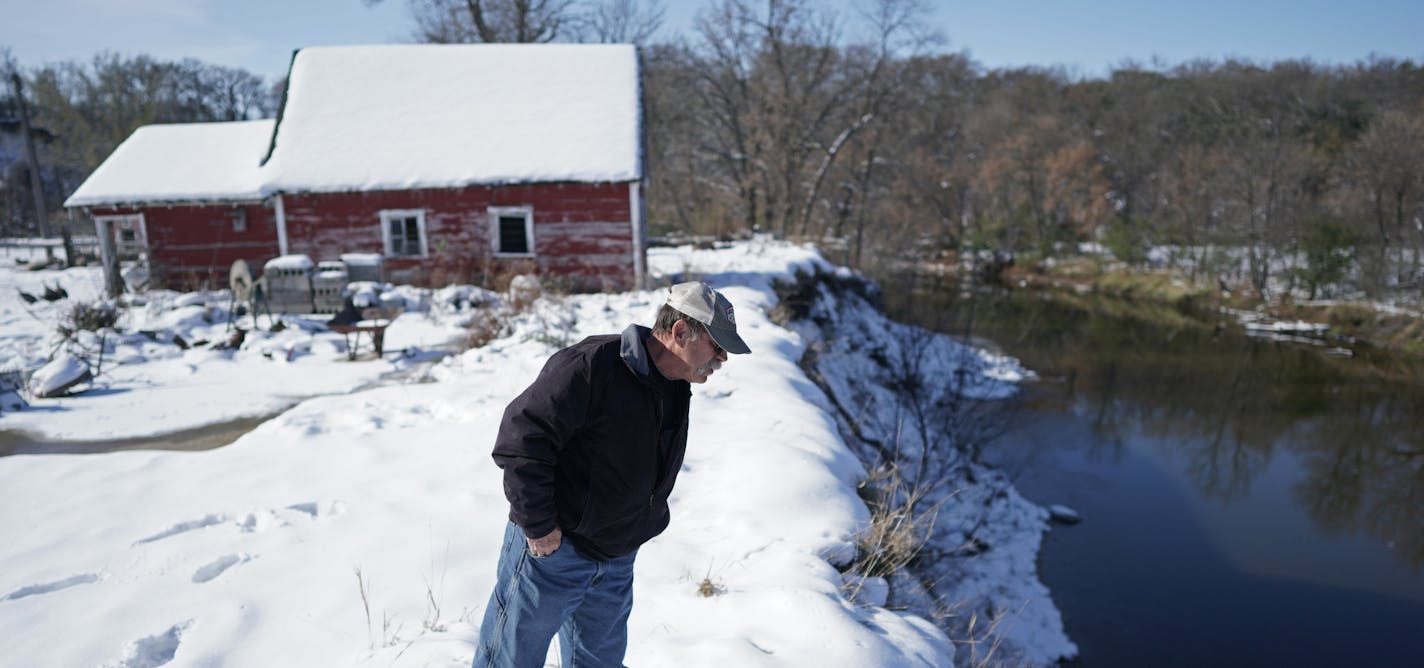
(1221, 405)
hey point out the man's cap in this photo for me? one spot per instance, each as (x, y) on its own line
(707, 306)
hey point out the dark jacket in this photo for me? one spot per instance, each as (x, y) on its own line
(582, 448)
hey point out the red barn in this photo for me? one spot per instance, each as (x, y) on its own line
(453, 162)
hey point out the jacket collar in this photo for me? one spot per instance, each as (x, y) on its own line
(635, 352)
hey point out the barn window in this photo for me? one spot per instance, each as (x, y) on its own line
(130, 234)
(403, 232)
(512, 230)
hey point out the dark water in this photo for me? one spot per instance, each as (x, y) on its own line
(1245, 502)
(203, 438)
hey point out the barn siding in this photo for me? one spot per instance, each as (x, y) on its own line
(582, 232)
(194, 246)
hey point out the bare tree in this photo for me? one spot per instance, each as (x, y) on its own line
(784, 101)
(87, 109)
(621, 21)
(877, 75)
(1386, 164)
(490, 21)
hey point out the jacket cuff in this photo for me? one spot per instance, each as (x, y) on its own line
(539, 530)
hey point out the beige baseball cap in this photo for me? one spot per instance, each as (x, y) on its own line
(709, 307)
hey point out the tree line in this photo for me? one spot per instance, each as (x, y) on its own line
(862, 133)
(80, 111)
(1280, 176)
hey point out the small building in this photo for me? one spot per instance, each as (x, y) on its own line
(455, 163)
(186, 197)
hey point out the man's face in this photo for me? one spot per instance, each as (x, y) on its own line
(702, 356)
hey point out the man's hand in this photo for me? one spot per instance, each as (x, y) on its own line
(543, 547)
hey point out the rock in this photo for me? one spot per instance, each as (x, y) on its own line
(233, 342)
(11, 401)
(1063, 515)
(58, 377)
(54, 293)
(10, 384)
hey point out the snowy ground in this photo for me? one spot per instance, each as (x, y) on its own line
(361, 527)
(150, 385)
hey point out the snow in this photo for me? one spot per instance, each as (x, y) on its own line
(373, 490)
(564, 112)
(149, 385)
(62, 373)
(1064, 514)
(289, 262)
(184, 162)
(1284, 326)
(24, 327)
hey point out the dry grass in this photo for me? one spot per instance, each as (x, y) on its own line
(488, 324)
(88, 316)
(364, 584)
(978, 642)
(707, 588)
(900, 522)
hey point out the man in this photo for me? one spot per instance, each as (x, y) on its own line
(590, 453)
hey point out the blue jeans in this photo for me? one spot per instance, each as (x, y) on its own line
(585, 601)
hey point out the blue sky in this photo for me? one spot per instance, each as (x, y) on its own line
(1087, 36)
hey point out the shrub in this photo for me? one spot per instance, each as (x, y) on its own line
(88, 316)
(900, 522)
(1329, 252)
(487, 324)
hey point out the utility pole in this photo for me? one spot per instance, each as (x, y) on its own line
(36, 186)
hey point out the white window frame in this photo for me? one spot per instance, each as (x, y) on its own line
(496, 212)
(387, 215)
(134, 221)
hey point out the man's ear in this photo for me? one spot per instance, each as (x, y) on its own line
(680, 332)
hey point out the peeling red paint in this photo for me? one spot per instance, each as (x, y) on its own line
(582, 234)
(194, 246)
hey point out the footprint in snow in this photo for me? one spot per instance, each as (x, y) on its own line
(218, 566)
(256, 522)
(318, 510)
(47, 587)
(184, 527)
(154, 650)
(251, 522)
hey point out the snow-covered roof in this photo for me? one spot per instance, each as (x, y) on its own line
(187, 162)
(429, 116)
(394, 117)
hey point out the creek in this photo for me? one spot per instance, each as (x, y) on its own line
(207, 437)
(1244, 502)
